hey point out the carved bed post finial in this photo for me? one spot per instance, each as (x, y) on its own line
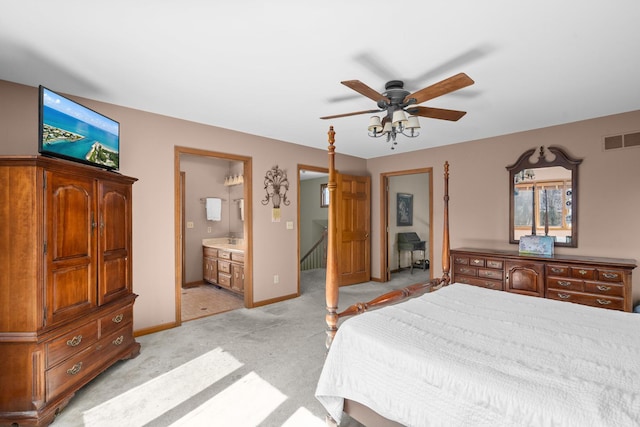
(331, 290)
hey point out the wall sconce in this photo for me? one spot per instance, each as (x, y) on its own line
(276, 186)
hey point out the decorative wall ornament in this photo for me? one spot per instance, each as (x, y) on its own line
(276, 186)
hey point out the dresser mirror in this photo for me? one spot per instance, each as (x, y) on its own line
(543, 196)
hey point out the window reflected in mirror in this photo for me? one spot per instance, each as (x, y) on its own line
(543, 196)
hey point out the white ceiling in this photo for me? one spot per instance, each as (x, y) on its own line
(273, 68)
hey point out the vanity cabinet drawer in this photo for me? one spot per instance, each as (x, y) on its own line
(224, 267)
(224, 254)
(209, 252)
(224, 279)
(237, 256)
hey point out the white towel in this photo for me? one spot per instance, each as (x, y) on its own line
(214, 209)
(241, 203)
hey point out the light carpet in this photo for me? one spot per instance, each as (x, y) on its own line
(246, 367)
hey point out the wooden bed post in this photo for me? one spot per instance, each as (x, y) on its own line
(445, 232)
(331, 288)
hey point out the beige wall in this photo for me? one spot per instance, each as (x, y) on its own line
(479, 205)
(609, 191)
(147, 147)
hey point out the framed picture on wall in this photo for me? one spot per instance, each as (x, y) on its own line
(404, 216)
(324, 196)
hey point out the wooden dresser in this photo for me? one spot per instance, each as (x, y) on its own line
(66, 300)
(594, 281)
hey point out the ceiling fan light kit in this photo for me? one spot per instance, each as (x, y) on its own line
(396, 101)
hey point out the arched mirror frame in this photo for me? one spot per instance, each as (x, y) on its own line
(562, 159)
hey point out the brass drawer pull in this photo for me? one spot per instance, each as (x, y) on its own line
(75, 369)
(460, 261)
(583, 272)
(490, 285)
(476, 261)
(563, 283)
(564, 296)
(118, 318)
(603, 288)
(556, 270)
(610, 275)
(466, 270)
(118, 340)
(73, 342)
(603, 301)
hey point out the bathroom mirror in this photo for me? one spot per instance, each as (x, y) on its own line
(543, 196)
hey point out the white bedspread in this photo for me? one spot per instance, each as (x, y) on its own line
(468, 356)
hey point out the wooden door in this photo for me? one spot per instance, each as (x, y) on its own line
(353, 228)
(70, 246)
(525, 278)
(114, 237)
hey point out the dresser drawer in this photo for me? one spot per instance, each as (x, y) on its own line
(490, 274)
(613, 303)
(609, 289)
(610, 275)
(557, 270)
(565, 284)
(69, 344)
(478, 262)
(116, 320)
(485, 283)
(583, 273)
(466, 270)
(70, 372)
(495, 263)
(460, 260)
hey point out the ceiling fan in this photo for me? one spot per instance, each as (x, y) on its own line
(395, 101)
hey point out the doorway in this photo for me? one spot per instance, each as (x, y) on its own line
(210, 176)
(313, 221)
(396, 189)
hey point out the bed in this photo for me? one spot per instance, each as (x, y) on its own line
(441, 354)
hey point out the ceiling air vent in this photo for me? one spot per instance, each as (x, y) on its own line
(615, 142)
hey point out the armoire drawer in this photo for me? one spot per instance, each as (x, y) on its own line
(116, 320)
(71, 343)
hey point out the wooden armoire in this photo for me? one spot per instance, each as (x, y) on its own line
(66, 300)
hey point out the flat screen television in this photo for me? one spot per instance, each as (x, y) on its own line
(74, 132)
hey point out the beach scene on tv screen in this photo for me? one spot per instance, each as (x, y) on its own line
(74, 131)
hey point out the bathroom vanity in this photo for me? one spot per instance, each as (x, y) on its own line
(223, 263)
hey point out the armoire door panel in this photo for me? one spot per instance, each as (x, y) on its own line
(114, 241)
(70, 254)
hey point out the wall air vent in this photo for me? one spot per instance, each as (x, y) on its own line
(615, 142)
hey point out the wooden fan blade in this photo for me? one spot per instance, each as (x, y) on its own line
(365, 90)
(441, 88)
(437, 113)
(349, 114)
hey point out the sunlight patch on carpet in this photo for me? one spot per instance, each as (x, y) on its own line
(247, 402)
(304, 418)
(147, 401)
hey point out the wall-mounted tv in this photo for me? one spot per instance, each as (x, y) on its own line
(72, 131)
